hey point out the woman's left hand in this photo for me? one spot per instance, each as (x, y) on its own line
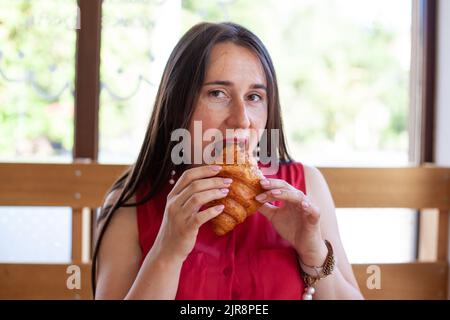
(297, 220)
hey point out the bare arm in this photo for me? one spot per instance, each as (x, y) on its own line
(342, 283)
(158, 278)
(119, 275)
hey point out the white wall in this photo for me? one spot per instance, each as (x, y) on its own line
(442, 153)
(442, 120)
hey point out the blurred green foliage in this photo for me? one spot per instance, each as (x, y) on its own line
(341, 81)
(36, 102)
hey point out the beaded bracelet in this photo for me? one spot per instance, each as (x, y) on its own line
(320, 272)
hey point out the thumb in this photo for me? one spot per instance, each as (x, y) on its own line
(311, 213)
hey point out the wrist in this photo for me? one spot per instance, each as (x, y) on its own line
(168, 259)
(314, 258)
(166, 256)
(316, 268)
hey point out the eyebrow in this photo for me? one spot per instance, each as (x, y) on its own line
(230, 84)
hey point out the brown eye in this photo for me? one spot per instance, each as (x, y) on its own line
(254, 97)
(216, 94)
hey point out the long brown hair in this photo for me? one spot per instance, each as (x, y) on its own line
(174, 105)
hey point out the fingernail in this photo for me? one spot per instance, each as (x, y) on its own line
(261, 197)
(224, 190)
(276, 191)
(227, 181)
(216, 168)
(220, 207)
(265, 182)
(305, 204)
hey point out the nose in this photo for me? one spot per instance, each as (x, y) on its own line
(238, 117)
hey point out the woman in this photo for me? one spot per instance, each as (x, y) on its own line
(154, 239)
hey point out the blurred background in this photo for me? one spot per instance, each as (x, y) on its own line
(353, 75)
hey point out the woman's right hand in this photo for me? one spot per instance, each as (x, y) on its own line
(182, 219)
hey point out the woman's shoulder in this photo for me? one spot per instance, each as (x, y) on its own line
(315, 182)
(113, 195)
(290, 171)
(300, 174)
(122, 215)
(310, 170)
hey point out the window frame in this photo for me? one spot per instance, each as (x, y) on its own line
(421, 119)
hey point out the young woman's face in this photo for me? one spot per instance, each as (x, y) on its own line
(233, 96)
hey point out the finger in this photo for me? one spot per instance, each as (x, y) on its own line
(197, 200)
(193, 174)
(202, 185)
(268, 210)
(201, 217)
(310, 211)
(292, 196)
(268, 184)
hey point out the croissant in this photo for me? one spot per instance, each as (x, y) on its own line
(240, 201)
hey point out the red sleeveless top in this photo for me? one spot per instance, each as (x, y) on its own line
(251, 262)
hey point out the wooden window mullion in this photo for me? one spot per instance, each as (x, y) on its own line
(87, 96)
(425, 57)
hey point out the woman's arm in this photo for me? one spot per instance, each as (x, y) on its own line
(118, 274)
(341, 284)
(158, 278)
(119, 257)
